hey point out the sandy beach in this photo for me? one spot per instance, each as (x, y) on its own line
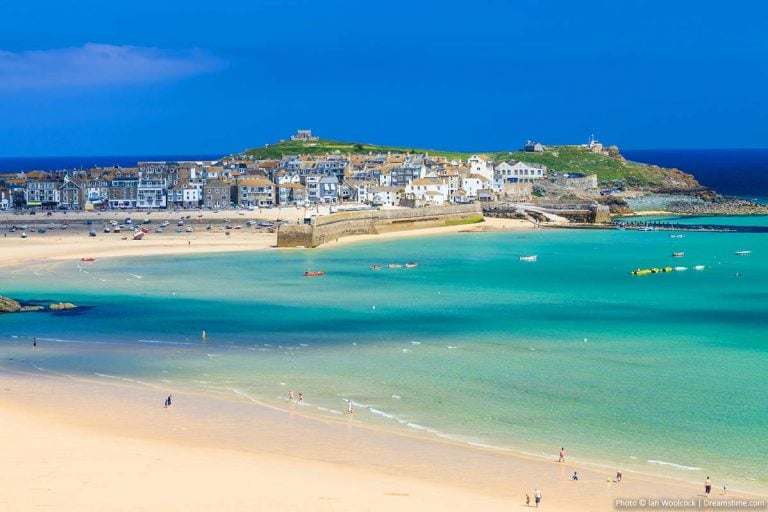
(73, 445)
(75, 243)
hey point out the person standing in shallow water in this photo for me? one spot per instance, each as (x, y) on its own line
(562, 455)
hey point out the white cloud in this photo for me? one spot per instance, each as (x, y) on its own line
(100, 64)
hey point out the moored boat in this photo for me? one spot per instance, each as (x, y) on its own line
(394, 265)
(529, 258)
(315, 273)
(698, 267)
(743, 253)
(138, 235)
(681, 269)
(411, 264)
(375, 267)
(87, 259)
(678, 254)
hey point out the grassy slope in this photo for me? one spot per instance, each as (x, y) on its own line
(610, 171)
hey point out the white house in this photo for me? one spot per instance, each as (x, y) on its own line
(384, 196)
(428, 191)
(479, 165)
(518, 172)
(473, 183)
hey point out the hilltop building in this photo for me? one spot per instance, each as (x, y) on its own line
(304, 135)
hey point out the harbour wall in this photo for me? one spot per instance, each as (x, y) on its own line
(370, 222)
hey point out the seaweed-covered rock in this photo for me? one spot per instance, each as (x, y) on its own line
(9, 305)
(61, 306)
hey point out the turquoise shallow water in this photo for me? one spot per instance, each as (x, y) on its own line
(664, 373)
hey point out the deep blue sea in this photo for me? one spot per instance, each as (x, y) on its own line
(54, 163)
(733, 172)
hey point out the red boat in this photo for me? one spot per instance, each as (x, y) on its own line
(316, 273)
(138, 235)
(87, 259)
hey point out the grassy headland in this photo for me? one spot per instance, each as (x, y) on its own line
(611, 169)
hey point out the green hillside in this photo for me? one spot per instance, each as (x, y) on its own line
(324, 146)
(610, 170)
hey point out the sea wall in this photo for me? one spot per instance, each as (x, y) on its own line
(330, 227)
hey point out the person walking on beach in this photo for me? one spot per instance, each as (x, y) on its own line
(349, 406)
(527, 500)
(301, 398)
(725, 489)
(562, 455)
(575, 476)
(618, 477)
(707, 486)
(290, 395)
(537, 497)
(168, 401)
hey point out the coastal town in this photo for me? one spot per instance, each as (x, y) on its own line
(386, 179)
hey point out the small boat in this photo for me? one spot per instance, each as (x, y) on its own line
(164, 224)
(315, 273)
(107, 230)
(678, 235)
(138, 235)
(24, 234)
(529, 258)
(158, 230)
(394, 265)
(411, 264)
(743, 253)
(678, 254)
(92, 233)
(87, 259)
(117, 229)
(681, 269)
(189, 229)
(145, 230)
(375, 267)
(41, 231)
(698, 267)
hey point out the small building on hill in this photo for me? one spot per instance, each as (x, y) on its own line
(533, 147)
(304, 135)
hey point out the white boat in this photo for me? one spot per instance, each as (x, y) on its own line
(411, 264)
(529, 258)
(681, 269)
(698, 267)
(743, 253)
(677, 236)
(394, 265)
(24, 234)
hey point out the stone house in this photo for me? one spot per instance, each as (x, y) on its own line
(216, 194)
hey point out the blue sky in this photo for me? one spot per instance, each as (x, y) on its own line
(184, 77)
